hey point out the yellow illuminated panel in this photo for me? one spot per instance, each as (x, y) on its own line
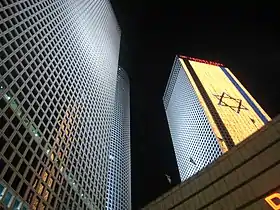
(249, 95)
(237, 115)
(271, 201)
(206, 110)
(35, 203)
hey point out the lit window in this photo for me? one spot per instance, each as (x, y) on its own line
(8, 199)
(52, 156)
(17, 204)
(20, 113)
(40, 189)
(34, 131)
(8, 96)
(2, 86)
(2, 190)
(26, 121)
(14, 105)
(111, 157)
(24, 208)
(45, 176)
(50, 182)
(58, 161)
(35, 203)
(46, 196)
(42, 206)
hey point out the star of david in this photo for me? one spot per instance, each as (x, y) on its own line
(224, 100)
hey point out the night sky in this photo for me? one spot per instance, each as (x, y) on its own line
(243, 37)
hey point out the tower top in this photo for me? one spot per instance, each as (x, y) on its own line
(201, 60)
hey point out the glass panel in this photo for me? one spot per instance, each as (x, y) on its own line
(8, 96)
(48, 150)
(14, 105)
(8, 199)
(2, 86)
(34, 131)
(20, 113)
(52, 156)
(40, 189)
(24, 208)
(46, 196)
(2, 190)
(45, 176)
(26, 121)
(17, 204)
(35, 203)
(50, 181)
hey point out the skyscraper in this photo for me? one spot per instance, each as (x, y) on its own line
(59, 61)
(119, 184)
(208, 112)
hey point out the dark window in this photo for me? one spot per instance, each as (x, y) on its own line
(22, 168)
(56, 187)
(15, 182)
(22, 129)
(52, 201)
(28, 155)
(22, 148)
(8, 152)
(16, 140)
(8, 174)
(23, 190)
(15, 121)
(39, 152)
(9, 112)
(15, 160)
(34, 163)
(29, 175)
(34, 145)
(2, 142)
(30, 196)
(28, 137)
(9, 131)
(2, 165)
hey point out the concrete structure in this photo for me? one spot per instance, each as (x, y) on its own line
(119, 173)
(246, 177)
(208, 111)
(59, 62)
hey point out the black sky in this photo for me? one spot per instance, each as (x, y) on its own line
(243, 37)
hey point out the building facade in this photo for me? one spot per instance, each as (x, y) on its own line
(208, 112)
(59, 61)
(119, 181)
(246, 177)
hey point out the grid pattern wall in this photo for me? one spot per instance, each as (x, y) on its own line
(58, 78)
(119, 186)
(171, 82)
(194, 141)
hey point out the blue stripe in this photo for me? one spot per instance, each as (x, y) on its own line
(248, 99)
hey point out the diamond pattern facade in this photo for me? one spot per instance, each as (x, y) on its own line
(119, 183)
(194, 142)
(58, 78)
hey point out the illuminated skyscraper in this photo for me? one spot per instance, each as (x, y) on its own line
(208, 112)
(119, 184)
(59, 61)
